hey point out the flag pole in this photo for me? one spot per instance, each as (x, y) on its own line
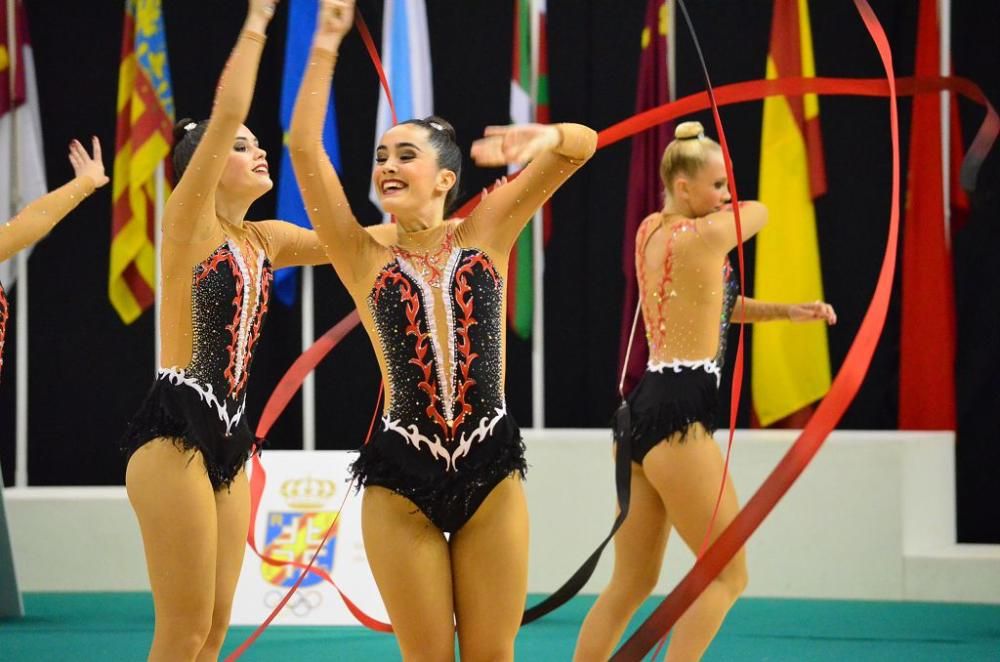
(538, 250)
(21, 321)
(944, 49)
(157, 247)
(671, 51)
(309, 384)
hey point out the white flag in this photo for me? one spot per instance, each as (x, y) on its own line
(20, 126)
(406, 58)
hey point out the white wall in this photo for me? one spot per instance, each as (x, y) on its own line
(871, 518)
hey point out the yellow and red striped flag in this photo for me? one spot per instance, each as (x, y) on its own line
(142, 141)
(791, 362)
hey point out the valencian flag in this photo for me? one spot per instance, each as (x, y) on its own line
(301, 25)
(142, 141)
(22, 112)
(790, 362)
(529, 102)
(927, 340)
(645, 190)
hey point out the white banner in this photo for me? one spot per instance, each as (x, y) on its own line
(304, 492)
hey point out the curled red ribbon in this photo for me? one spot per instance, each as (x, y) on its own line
(846, 383)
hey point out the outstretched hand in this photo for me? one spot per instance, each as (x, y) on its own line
(808, 312)
(262, 9)
(84, 164)
(335, 18)
(516, 143)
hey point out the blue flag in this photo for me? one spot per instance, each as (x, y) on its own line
(406, 54)
(301, 25)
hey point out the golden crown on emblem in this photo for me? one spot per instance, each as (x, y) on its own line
(307, 493)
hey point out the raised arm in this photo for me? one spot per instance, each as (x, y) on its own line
(345, 240)
(763, 311)
(555, 153)
(719, 228)
(39, 217)
(193, 199)
(289, 245)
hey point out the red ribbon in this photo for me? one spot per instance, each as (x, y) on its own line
(290, 383)
(258, 479)
(366, 36)
(845, 386)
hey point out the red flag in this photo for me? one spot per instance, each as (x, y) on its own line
(927, 342)
(644, 185)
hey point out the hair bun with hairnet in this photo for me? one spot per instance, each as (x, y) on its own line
(689, 131)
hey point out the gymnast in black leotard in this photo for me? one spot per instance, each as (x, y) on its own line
(448, 457)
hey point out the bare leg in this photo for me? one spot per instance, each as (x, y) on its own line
(639, 547)
(410, 560)
(687, 475)
(175, 505)
(233, 509)
(490, 566)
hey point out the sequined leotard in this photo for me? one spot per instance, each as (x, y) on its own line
(687, 288)
(216, 279)
(432, 303)
(31, 224)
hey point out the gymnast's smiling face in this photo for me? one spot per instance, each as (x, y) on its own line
(407, 175)
(246, 171)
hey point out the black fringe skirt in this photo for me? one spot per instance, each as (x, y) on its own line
(666, 403)
(178, 412)
(447, 498)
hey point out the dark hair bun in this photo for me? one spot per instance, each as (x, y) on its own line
(441, 124)
(181, 129)
(187, 135)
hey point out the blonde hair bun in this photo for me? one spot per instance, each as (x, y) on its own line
(689, 131)
(686, 154)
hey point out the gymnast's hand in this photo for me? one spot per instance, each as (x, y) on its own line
(516, 143)
(335, 18)
(262, 9)
(84, 165)
(497, 184)
(808, 312)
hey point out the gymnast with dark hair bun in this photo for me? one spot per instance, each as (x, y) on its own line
(448, 456)
(191, 437)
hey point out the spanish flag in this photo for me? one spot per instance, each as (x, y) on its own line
(142, 141)
(791, 362)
